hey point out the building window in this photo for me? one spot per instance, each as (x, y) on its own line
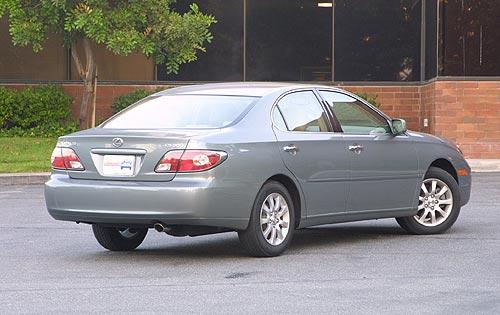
(289, 40)
(377, 40)
(431, 33)
(223, 60)
(469, 38)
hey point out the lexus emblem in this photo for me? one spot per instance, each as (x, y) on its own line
(117, 142)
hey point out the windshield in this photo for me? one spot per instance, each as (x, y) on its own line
(181, 111)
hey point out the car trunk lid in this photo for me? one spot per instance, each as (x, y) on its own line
(114, 154)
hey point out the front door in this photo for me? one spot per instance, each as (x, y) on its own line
(384, 168)
(312, 152)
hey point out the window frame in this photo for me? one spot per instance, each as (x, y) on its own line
(330, 126)
(369, 106)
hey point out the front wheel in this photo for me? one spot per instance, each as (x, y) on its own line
(438, 204)
(271, 225)
(119, 239)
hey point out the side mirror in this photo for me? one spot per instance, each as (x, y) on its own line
(398, 126)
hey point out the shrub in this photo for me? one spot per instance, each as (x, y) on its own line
(42, 111)
(370, 98)
(125, 100)
(7, 105)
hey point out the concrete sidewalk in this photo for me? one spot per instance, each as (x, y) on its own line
(484, 165)
(477, 166)
(23, 178)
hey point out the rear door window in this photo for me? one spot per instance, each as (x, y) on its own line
(303, 112)
(182, 111)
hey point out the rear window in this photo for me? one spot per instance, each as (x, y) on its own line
(182, 111)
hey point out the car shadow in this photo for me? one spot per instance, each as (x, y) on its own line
(227, 246)
(342, 235)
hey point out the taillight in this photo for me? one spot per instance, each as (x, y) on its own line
(189, 161)
(66, 159)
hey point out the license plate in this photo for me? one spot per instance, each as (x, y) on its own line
(118, 165)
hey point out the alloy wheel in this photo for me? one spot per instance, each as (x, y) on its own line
(435, 202)
(274, 219)
(127, 232)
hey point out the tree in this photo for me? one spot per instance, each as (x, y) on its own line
(122, 26)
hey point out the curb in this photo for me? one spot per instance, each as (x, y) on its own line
(23, 178)
(477, 166)
(484, 165)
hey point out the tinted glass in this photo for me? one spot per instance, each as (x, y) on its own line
(303, 112)
(377, 40)
(181, 111)
(289, 40)
(431, 29)
(21, 63)
(223, 60)
(469, 38)
(354, 116)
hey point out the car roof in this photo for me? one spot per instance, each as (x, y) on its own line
(256, 89)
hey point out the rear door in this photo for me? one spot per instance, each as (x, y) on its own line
(313, 152)
(384, 167)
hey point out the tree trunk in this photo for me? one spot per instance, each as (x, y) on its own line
(87, 73)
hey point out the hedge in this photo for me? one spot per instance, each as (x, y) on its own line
(41, 111)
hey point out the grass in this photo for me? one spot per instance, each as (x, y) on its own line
(24, 155)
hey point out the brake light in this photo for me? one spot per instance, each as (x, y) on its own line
(66, 159)
(189, 161)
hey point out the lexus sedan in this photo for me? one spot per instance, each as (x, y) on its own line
(261, 159)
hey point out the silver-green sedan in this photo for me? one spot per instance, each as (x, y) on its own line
(261, 159)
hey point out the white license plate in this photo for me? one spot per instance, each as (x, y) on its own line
(118, 165)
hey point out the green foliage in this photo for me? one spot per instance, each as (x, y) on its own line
(370, 98)
(148, 26)
(125, 100)
(42, 111)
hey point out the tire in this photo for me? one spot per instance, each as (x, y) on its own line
(442, 219)
(272, 238)
(115, 239)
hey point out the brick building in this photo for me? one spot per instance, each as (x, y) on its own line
(434, 63)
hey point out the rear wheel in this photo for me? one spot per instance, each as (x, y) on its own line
(119, 239)
(438, 204)
(271, 225)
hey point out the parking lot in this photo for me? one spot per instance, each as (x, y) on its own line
(49, 266)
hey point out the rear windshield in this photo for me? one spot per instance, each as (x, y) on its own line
(181, 111)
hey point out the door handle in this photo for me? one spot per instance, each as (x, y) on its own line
(356, 148)
(290, 149)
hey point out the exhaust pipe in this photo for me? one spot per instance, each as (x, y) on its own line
(160, 227)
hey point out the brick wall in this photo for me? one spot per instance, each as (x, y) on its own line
(466, 112)
(396, 101)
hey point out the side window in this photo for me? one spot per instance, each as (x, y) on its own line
(354, 116)
(303, 112)
(278, 119)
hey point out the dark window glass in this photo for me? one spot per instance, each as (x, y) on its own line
(377, 40)
(223, 60)
(469, 38)
(181, 111)
(353, 115)
(431, 30)
(21, 63)
(303, 112)
(289, 40)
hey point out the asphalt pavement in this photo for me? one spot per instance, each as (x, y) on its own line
(48, 266)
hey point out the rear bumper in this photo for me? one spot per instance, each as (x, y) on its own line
(186, 200)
